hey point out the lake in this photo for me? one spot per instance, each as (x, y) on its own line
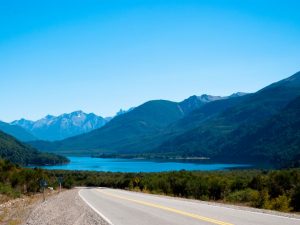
(140, 165)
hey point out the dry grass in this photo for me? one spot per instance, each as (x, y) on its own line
(16, 211)
(14, 222)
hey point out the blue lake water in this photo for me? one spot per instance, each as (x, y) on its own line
(140, 165)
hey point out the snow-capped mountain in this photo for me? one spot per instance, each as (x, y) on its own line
(52, 128)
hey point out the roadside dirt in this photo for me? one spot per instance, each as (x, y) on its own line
(16, 211)
(66, 208)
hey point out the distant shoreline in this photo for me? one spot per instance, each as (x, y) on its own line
(105, 156)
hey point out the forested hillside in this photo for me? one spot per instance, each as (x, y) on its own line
(277, 139)
(17, 152)
(219, 136)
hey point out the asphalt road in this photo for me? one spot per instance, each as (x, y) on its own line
(121, 207)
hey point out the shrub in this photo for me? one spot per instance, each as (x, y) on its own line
(244, 196)
(281, 203)
(9, 191)
(263, 200)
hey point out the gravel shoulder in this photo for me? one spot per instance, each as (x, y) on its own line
(66, 208)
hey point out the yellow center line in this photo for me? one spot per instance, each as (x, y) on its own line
(195, 216)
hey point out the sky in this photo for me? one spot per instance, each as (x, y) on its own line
(99, 56)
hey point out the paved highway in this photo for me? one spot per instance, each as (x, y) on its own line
(121, 207)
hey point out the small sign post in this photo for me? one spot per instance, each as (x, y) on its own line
(43, 184)
(60, 180)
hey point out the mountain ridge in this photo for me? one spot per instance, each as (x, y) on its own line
(133, 128)
(17, 131)
(208, 138)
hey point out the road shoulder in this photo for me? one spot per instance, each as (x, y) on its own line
(65, 208)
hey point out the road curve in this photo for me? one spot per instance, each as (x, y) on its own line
(121, 207)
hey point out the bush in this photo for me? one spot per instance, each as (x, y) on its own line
(244, 196)
(198, 188)
(281, 203)
(263, 200)
(9, 191)
(218, 188)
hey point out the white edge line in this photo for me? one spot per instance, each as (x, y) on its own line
(96, 210)
(259, 213)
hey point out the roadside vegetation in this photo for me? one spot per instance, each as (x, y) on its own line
(276, 190)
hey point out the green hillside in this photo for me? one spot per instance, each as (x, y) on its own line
(17, 152)
(202, 114)
(209, 137)
(194, 119)
(277, 139)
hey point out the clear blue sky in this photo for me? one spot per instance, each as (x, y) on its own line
(58, 56)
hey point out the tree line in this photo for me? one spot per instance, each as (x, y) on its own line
(271, 189)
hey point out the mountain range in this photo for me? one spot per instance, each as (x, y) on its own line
(262, 126)
(52, 128)
(134, 130)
